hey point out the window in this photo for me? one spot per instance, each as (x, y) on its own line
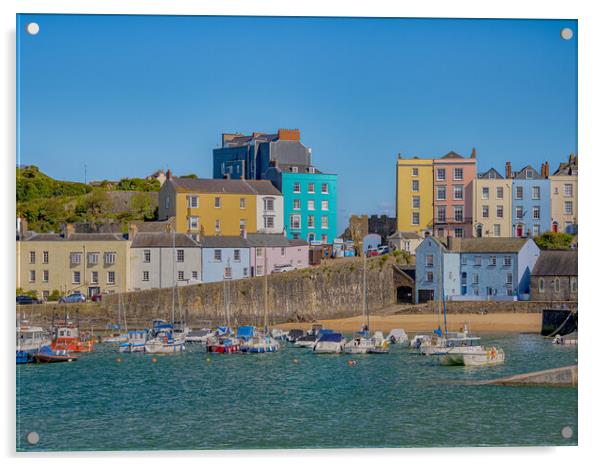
(245, 272)
(324, 188)
(415, 186)
(312, 169)
(311, 188)
(509, 279)
(536, 230)
(529, 174)
(458, 192)
(507, 261)
(110, 278)
(193, 202)
(492, 260)
(268, 204)
(94, 277)
(499, 192)
(536, 192)
(414, 172)
(180, 255)
(296, 187)
(193, 223)
(218, 225)
(459, 213)
(485, 193)
(147, 255)
(441, 194)
(260, 270)
(324, 241)
(416, 202)
(282, 251)
(519, 192)
(75, 258)
(237, 255)
(294, 169)
(110, 257)
(557, 284)
(145, 276)
(217, 255)
(311, 205)
(459, 232)
(243, 203)
(324, 222)
(217, 202)
(167, 203)
(441, 213)
(324, 205)
(568, 207)
(458, 173)
(475, 278)
(93, 258)
(477, 261)
(573, 284)
(497, 230)
(541, 285)
(429, 260)
(415, 218)
(568, 190)
(259, 252)
(475, 291)
(32, 276)
(310, 221)
(429, 277)
(268, 222)
(464, 260)
(407, 245)
(242, 226)
(295, 222)
(180, 275)
(519, 212)
(509, 290)
(45, 276)
(440, 174)
(76, 279)
(536, 212)
(296, 204)
(195, 275)
(499, 211)
(45, 257)
(485, 211)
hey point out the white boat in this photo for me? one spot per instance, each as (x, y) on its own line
(398, 336)
(380, 345)
(279, 334)
(569, 340)
(420, 341)
(29, 341)
(199, 336)
(473, 356)
(260, 344)
(162, 340)
(307, 341)
(359, 344)
(439, 343)
(135, 343)
(115, 338)
(330, 343)
(119, 337)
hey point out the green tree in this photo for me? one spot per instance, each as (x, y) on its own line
(552, 240)
(142, 206)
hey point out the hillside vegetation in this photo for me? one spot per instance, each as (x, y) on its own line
(46, 203)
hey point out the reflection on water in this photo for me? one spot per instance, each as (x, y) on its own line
(201, 401)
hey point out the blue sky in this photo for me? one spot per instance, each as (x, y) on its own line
(127, 95)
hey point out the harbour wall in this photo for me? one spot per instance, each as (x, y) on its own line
(485, 307)
(332, 290)
(560, 377)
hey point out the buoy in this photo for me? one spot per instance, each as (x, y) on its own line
(295, 361)
(351, 362)
(118, 359)
(208, 359)
(154, 359)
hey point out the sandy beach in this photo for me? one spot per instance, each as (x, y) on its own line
(419, 323)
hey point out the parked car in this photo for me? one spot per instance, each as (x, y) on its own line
(24, 299)
(73, 298)
(283, 268)
(372, 252)
(96, 298)
(383, 250)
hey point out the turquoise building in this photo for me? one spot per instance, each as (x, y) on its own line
(310, 202)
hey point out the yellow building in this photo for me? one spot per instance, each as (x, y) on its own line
(492, 199)
(414, 199)
(91, 263)
(220, 206)
(563, 193)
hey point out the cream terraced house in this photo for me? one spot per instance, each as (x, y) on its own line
(91, 263)
(564, 193)
(492, 205)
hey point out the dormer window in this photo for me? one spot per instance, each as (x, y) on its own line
(295, 169)
(312, 169)
(529, 174)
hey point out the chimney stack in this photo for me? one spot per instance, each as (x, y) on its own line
(289, 134)
(169, 173)
(473, 154)
(450, 242)
(547, 169)
(571, 158)
(68, 230)
(132, 231)
(543, 169)
(508, 170)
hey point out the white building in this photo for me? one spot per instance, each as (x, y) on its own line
(270, 212)
(156, 263)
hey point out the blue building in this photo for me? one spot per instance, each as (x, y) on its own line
(224, 257)
(310, 202)
(475, 268)
(530, 202)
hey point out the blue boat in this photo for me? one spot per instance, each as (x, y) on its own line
(136, 339)
(29, 341)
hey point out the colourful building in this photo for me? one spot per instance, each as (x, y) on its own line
(310, 202)
(453, 185)
(414, 199)
(530, 201)
(224, 258)
(564, 192)
(268, 252)
(492, 205)
(221, 207)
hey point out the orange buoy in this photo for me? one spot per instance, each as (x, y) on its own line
(154, 359)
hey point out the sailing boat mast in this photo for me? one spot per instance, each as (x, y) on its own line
(265, 289)
(173, 275)
(365, 297)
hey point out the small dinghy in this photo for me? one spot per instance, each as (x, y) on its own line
(46, 355)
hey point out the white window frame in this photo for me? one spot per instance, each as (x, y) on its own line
(458, 174)
(111, 281)
(193, 202)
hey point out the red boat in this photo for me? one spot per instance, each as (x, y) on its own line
(66, 337)
(223, 345)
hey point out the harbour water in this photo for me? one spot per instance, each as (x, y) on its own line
(291, 399)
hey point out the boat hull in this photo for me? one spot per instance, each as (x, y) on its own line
(164, 348)
(487, 357)
(328, 347)
(73, 345)
(223, 349)
(25, 357)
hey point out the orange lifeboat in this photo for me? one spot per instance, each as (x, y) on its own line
(66, 336)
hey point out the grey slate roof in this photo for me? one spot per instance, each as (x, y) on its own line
(491, 174)
(288, 168)
(268, 240)
(217, 186)
(522, 174)
(76, 237)
(487, 245)
(405, 235)
(163, 240)
(224, 242)
(556, 263)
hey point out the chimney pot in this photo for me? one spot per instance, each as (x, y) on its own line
(473, 154)
(169, 173)
(508, 170)
(132, 231)
(450, 242)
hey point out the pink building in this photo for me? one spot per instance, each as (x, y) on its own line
(268, 251)
(453, 178)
